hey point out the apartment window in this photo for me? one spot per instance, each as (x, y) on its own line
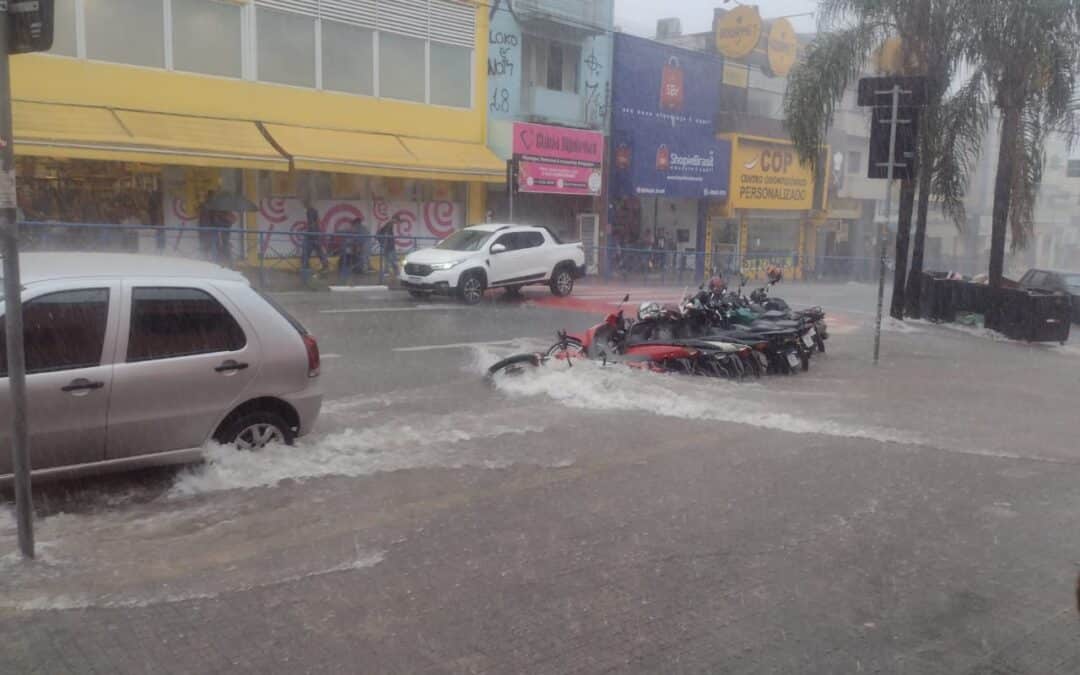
(401, 67)
(854, 161)
(451, 75)
(286, 47)
(206, 37)
(126, 31)
(64, 28)
(348, 58)
(550, 64)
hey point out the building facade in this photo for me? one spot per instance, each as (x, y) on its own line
(549, 77)
(369, 108)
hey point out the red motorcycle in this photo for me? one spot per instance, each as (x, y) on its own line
(607, 342)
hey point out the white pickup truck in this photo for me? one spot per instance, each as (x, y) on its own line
(493, 256)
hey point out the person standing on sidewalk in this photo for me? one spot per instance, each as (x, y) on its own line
(389, 247)
(312, 239)
(354, 250)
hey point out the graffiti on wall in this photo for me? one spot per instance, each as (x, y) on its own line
(424, 220)
(507, 67)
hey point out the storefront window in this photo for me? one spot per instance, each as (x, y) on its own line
(138, 39)
(347, 58)
(401, 67)
(206, 37)
(451, 73)
(286, 48)
(64, 28)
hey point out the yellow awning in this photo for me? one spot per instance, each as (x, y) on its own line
(386, 155)
(87, 132)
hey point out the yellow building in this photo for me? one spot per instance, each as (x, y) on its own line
(369, 108)
(774, 203)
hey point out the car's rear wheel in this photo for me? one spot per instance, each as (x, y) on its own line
(471, 288)
(256, 430)
(562, 282)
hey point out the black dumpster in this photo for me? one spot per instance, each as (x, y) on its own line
(1035, 316)
(935, 298)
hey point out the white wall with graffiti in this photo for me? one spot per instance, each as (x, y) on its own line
(283, 220)
(516, 90)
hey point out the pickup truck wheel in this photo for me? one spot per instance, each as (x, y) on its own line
(471, 288)
(562, 282)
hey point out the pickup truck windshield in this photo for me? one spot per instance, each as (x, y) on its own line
(464, 240)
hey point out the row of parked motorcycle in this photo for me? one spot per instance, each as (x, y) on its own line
(714, 332)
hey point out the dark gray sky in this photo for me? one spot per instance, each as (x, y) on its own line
(639, 16)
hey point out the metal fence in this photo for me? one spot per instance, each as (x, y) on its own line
(285, 259)
(271, 258)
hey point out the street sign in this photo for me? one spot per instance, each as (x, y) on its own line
(904, 154)
(29, 29)
(30, 26)
(892, 148)
(877, 91)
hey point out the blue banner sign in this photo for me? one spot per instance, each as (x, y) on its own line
(663, 103)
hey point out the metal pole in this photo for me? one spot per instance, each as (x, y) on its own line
(16, 362)
(511, 187)
(884, 231)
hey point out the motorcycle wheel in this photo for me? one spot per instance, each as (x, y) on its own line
(571, 347)
(513, 366)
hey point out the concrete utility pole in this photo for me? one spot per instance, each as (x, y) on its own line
(888, 209)
(13, 319)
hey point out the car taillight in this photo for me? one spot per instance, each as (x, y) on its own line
(312, 355)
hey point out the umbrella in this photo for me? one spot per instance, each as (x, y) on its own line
(229, 201)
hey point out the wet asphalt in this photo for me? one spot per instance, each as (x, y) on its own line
(912, 517)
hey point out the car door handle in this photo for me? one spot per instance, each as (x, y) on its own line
(82, 384)
(230, 366)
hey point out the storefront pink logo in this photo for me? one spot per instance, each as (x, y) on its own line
(543, 141)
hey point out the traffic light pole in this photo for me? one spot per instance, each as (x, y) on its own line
(884, 248)
(13, 316)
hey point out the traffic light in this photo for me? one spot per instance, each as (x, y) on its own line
(512, 175)
(30, 25)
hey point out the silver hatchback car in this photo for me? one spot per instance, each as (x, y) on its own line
(134, 360)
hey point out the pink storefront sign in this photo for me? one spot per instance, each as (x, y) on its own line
(558, 160)
(558, 179)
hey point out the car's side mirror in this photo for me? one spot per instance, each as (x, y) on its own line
(498, 248)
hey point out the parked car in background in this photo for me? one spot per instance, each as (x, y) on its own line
(135, 360)
(1055, 281)
(493, 256)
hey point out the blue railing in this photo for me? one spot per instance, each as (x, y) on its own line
(351, 257)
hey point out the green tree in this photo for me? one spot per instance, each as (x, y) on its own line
(1024, 55)
(850, 31)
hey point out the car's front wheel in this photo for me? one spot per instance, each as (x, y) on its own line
(255, 431)
(471, 288)
(562, 282)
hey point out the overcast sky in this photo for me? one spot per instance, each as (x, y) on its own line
(639, 16)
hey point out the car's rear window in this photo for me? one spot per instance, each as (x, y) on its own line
(283, 312)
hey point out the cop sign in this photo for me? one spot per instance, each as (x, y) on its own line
(30, 25)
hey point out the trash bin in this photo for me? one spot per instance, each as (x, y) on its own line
(1034, 316)
(929, 302)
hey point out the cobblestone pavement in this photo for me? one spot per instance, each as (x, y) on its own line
(914, 518)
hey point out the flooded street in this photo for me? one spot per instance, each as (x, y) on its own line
(910, 517)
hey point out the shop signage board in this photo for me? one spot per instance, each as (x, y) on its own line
(558, 160)
(781, 47)
(737, 31)
(663, 104)
(767, 175)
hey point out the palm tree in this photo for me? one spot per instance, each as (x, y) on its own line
(1025, 54)
(849, 33)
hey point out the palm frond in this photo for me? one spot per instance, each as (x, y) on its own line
(1027, 174)
(963, 123)
(833, 62)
